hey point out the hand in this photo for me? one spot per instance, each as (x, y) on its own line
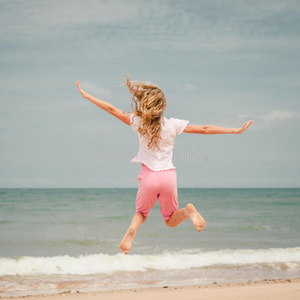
(244, 127)
(82, 92)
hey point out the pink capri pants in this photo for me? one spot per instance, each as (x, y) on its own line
(160, 185)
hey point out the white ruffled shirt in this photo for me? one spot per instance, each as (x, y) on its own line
(158, 159)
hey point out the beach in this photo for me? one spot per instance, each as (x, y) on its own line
(262, 290)
(58, 240)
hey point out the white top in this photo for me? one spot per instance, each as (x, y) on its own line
(158, 159)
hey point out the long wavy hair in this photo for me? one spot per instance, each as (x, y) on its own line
(148, 103)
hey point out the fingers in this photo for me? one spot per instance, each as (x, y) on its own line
(81, 91)
(246, 125)
(249, 123)
(79, 87)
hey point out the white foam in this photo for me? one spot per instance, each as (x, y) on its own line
(109, 264)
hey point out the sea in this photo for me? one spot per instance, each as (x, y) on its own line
(67, 240)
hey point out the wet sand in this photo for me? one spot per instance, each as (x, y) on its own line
(287, 289)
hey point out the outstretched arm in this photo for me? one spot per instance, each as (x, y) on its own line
(211, 129)
(118, 113)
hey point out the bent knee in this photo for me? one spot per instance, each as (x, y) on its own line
(169, 224)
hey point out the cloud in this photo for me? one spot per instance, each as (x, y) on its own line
(281, 115)
(273, 117)
(196, 25)
(246, 116)
(189, 87)
(95, 90)
(50, 14)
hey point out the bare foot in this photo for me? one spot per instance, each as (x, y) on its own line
(195, 217)
(125, 244)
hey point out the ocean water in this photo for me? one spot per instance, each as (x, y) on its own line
(53, 240)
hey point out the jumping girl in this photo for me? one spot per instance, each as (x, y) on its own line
(157, 179)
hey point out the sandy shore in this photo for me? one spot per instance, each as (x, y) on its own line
(288, 289)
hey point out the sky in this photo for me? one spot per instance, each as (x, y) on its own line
(218, 62)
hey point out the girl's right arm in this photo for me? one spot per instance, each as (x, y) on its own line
(211, 129)
(118, 113)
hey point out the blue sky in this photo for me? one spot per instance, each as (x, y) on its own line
(218, 62)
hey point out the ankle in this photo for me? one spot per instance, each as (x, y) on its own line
(189, 207)
(131, 230)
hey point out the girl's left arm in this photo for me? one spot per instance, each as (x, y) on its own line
(211, 129)
(118, 113)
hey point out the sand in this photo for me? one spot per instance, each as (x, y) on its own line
(284, 289)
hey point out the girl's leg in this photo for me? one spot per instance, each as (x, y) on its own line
(176, 218)
(137, 220)
(189, 212)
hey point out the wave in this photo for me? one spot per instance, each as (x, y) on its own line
(109, 264)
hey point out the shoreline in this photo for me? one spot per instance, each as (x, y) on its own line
(274, 289)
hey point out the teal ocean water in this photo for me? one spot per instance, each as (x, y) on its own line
(58, 239)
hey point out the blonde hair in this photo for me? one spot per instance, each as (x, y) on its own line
(148, 103)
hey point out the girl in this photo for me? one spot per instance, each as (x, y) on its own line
(157, 179)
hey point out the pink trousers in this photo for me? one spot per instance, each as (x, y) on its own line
(160, 185)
